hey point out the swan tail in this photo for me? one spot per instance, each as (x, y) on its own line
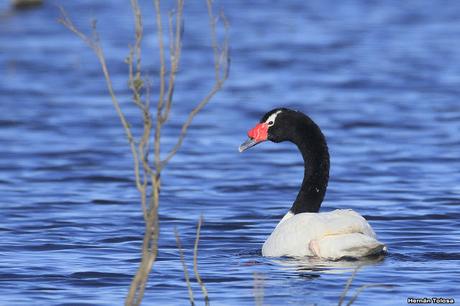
(346, 245)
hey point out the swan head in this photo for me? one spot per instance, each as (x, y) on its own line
(276, 126)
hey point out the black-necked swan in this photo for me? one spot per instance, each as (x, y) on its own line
(303, 231)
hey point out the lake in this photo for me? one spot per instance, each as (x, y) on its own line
(380, 78)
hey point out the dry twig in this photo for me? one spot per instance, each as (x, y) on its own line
(195, 262)
(359, 290)
(184, 267)
(147, 177)
(347, 286)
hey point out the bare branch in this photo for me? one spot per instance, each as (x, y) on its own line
(189, 120)
(347, 286)
(149, 255)
(175, 53)
(195, 262)
(219, 65)
(184, 266)
(161, 48)
(215, 48)
(139, 28)
(360, 289)
(136, 84)
(225, 54)
(65, 20)
(156, 145)
(171, 34)
(93, 43)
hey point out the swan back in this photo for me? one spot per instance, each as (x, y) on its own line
(329, 235)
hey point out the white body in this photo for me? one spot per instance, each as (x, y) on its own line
(329, 235)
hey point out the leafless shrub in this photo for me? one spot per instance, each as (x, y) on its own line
(147, 174)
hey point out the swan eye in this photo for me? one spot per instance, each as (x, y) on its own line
(271, 119)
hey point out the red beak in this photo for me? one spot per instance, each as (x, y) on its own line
(259, 132)
(256, 135)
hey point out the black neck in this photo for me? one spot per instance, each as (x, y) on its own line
(312, 144)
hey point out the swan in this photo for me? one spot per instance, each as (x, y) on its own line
(304, 231)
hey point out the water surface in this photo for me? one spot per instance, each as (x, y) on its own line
(380, 78)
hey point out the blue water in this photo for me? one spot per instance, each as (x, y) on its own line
(380, 78)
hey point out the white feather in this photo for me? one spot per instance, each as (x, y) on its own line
(329, 235)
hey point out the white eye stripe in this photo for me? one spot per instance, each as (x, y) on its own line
(271, 119)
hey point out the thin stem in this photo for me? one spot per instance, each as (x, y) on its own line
(160, 103)
(360, 289)
(347, 286)
(219, 65)
(184, 266)
(93, 43)
(175, 53)
(189, 120)
(195, 262)
(212, 25)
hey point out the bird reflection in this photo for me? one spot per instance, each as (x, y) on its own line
(313, 267)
